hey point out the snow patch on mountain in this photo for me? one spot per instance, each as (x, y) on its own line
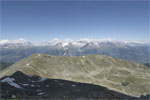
(69, 42)
(65, 44)
(15, 43)
(11, 82)
(42, 79)
(78, 44)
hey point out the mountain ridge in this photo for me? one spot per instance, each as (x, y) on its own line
(96, 69)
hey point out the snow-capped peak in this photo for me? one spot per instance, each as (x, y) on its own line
(4, 41)
(13, 41)
(65, 44)
(111, 40)
(68, 42)
(19, 42)
(86, 39)
(50, 43)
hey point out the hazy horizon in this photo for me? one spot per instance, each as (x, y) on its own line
(21, 40)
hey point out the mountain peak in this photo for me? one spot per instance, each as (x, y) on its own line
(17, 42)
(13, 41)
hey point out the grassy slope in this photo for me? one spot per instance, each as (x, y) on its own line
(123, 76)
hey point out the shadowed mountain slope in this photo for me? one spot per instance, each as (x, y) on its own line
(32, 87)
(4, 65)
(147, 64)
(115, 74)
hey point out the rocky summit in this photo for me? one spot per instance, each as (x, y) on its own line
(118, 75)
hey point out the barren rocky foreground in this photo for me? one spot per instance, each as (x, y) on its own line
(21, 86)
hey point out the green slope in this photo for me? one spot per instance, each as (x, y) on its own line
(119, 75)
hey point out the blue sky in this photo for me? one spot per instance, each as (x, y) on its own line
(45, 20)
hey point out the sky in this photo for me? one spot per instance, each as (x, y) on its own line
(46, 20)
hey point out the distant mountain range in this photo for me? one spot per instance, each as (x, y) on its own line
(14, 50)
(119, 75)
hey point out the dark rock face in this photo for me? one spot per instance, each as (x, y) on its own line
(22, 86)
(147, 64)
